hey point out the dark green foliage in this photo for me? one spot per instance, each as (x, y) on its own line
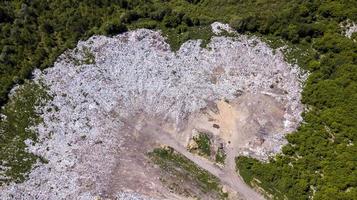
(193, 1)
(4, 15)
(354, 36)
(114, 28)
(129, 16)
(173, 20)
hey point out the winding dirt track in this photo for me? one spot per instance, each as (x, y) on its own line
(227, 175)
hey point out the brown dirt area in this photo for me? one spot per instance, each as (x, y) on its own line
(235, 123)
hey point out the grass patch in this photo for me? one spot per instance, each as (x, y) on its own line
(82, 56)
(220, 156)
(203, 145)
(88, 56)
(18, 115)
(183, 168)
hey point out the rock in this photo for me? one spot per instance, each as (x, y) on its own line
(192, 145)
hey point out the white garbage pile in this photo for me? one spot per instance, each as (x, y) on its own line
(137, 72)
(218, 28)
(349, 27)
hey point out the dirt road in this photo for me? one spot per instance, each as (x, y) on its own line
(227, 175)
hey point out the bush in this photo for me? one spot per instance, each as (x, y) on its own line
(114, 28)
(129, 16)
(173, 20)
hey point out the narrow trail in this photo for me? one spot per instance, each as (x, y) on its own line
(227, 175)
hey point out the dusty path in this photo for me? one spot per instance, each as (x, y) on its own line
(227, 175)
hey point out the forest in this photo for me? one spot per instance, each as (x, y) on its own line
(319, 160)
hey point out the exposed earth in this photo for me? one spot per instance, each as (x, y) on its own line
(116, 99)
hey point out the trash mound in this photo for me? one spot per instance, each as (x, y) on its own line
(107, 79)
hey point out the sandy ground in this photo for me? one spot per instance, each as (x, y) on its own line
(240, 121)
(228, 177)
